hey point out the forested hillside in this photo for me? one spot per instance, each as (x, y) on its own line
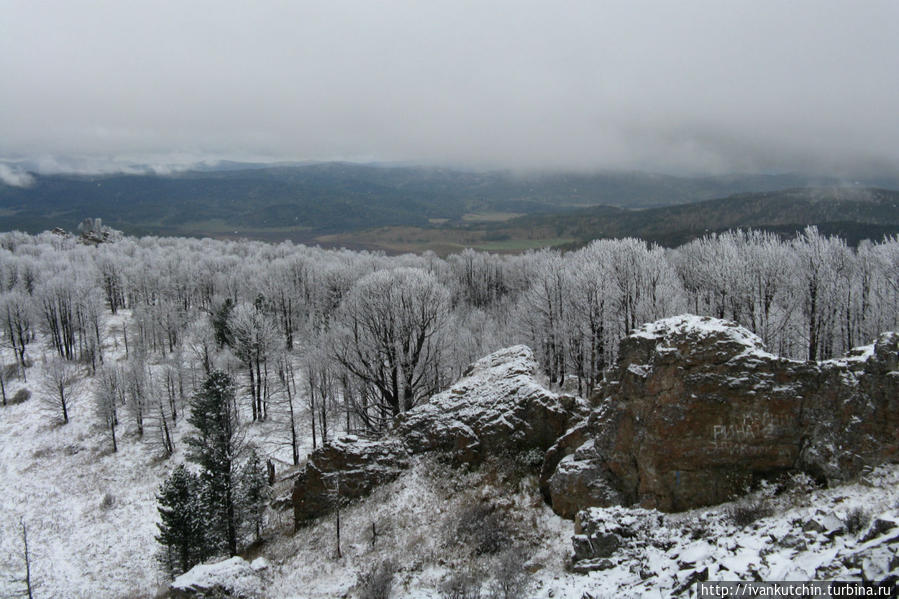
(109, 344)
(851, 213)
(303, 202)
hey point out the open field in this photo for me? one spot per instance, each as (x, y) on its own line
(490, 217)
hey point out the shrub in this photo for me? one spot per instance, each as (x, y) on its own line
(798, 486)
(745, 513)
(21, 396)
(856, 520)
(509, 577)
(377, 582)
(108, 501)
(696, 528)
(462, 585)
(531, 460)
(482, 528)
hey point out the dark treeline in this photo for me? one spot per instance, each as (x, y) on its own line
(354, 338)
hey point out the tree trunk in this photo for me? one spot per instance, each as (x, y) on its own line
(28, 589)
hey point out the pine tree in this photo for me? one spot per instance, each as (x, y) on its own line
(181, 523)
(254, 487)
(216, 446)
(220, 318)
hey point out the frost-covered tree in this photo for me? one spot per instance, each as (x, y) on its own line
(388, 338)
(480, 278)
(16, 317)
(321, 388)
(109, 267)
(811, 296)
(590, 302)
(254, 338)
(61, 387)
(160, 416)
(541, 312)
(885, 298)
(134, 380)
(56, 299)
(820, 265)
(647, 285)
(287, 402)
(108, 396)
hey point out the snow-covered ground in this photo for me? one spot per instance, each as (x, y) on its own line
(55, 478)
(90, 513)
(417, 519)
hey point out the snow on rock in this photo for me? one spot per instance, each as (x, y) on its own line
(498, 406)
(233, 577)
(606, 552)
(698, 328)
(697, 410)
(260, 563)
(660, 552)
(348, 467)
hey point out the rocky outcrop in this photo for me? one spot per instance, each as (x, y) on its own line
(673, 552)
(699, 411)
(231, 578)
(497, 407)
(344, 469)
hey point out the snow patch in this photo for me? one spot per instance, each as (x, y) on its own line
(233, 575)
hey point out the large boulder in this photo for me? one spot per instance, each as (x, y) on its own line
(346, 468)
(497, 407)
(698, 411)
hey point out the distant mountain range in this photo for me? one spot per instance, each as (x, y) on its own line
(305, 202)
(852, 213)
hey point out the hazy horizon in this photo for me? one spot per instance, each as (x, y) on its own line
(695, 88)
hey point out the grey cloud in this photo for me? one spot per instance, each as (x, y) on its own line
(696, 86)
(14, 176)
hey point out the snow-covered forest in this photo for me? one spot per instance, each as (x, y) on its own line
(274, 307)
(361, 337)
(119, 335)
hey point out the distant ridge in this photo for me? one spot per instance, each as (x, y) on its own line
(304, 202)
(852, 213)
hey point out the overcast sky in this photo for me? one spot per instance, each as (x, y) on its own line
(667, 86)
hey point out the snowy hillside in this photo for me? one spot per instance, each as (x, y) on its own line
(90, 513)
(799, 535)
(91, 520)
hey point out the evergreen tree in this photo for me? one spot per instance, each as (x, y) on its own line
(254, 487)
(181, 523)
(216, 446)
(220, 316)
